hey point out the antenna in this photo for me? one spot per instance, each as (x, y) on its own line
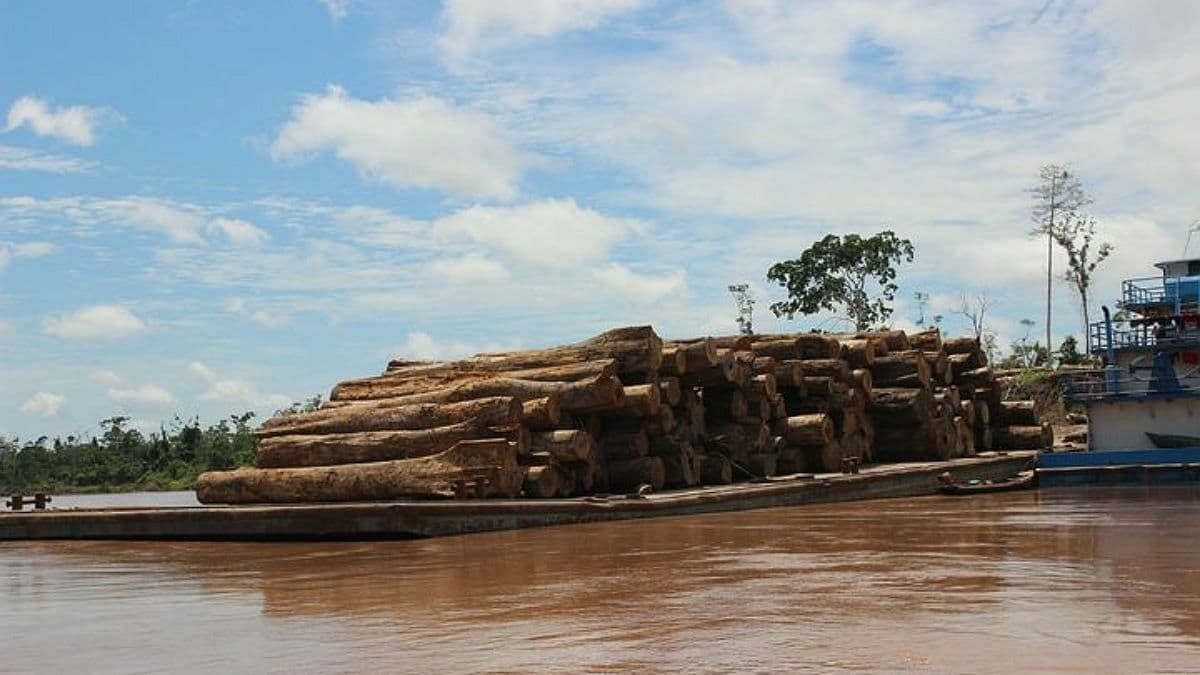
(1192, 229)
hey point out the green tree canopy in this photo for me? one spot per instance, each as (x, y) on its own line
(852, 274)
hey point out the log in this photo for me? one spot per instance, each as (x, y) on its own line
(723, 405)
(637, 400)
(627, 475)
(900, 407)
(366, 446)
(939, 367)
(790, 460)
(592, 392)
(764, 364)
(861, 377)
(582, 476)
(814, 429)
(983, 439)
(896, 340)
(737, 343)
(834, 369)
(637, 349)
(698, 354)
(541, 414)
(493, 461)
(983, 413)
(1038, 437)
(928, 340)
(979, 378)
(765, 385)
(674, 361)
(566, 445)
(824, 458)
(488, 412)
(961, 345)
(966, 436)
(617, 445)
(663, 423)
(724, 374)
(910, 444)
(820, 387)
(670, 392)
(902, 368)
(715, 469)
(1017, 414)
(737, 441)
(761, 465)
(858, 353)
(426, 378)
(543, 482)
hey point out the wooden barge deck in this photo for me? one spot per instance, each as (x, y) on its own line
(415, 519)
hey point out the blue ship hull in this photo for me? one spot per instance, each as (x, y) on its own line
(1170, 465)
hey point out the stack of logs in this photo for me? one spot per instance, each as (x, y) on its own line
(626, 410)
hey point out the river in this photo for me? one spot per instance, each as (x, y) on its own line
(1069, 580)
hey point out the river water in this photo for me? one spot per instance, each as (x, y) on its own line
(1073, 581)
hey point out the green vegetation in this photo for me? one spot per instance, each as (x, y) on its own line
(852, 273)
(121, 459)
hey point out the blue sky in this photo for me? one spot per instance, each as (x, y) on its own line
(211, 207)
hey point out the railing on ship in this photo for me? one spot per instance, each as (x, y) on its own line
(1081, 386)
(1176, 293)
(1145, 336)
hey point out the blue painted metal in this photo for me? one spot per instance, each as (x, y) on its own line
(1118, 458)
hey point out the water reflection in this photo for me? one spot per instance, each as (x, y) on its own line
(1096, 580)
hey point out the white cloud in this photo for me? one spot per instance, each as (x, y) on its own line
(24, 159)
(550, 233)
(234, 391)
(421, 346)
(43, 403)
(419, 142)
(74, 124)
(180, 222)
(106, 377)
(476, 25)
(470, 268)
(148, 396)
(241, 307)
(239, 232)
(99, 322)
(641, 287)
(337, 8)
(32, 249)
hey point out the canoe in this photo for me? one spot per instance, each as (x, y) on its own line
(1024, 479)
(1174, 441)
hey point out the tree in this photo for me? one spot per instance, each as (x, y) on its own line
(835, 273)
(745, 305)
(1075, 237)
(1068, 352)
(1057, 196)
(975, 311)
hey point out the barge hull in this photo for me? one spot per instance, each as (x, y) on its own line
(418, 519)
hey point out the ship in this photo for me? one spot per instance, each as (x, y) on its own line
(1143, 404)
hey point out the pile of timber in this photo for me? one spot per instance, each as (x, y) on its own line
(625, 410)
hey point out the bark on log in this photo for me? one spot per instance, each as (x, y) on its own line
(406, 382)
(815, 429)
(716, 469)
(679, 471)
(724, 374)
(576, 395)
(582, 476)
(543, 482)
(910, 444)
(367, 446)
(900, 407)
(492, 412)
(983, 439)
(674, 361)
(929, 340)
(978, 378)
(541, 414)
(966, 436)
(983, 414)
(637, 349)
(493, 461)
(818, 387)
(765, 385)
(723, 405)
(1017, 414)
(627, 475)
(1038, 437)
(616, 445)
(670, 392)
(901, 368)
(638, 400)
(566, 445)
(863, 381)
(835, 369)
(698, 354)
(859, 353)
(761, 465)
(790, 460)
(939, 368)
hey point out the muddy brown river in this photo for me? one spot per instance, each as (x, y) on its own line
(1069, 580)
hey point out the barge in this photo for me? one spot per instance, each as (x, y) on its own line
(1143, 406)
(424, 518)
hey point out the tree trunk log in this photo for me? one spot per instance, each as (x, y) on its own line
(902, 368)
(566, 445)
(488, 412)
(1017, 414)
(716, 469)
(835, 369)
(541, 414)
(576, 395)
(637, 349)
(627, 475)
(367, 446)
(1038, 437)
(670, 392)
(624, 445)
(900, 407)
(435, 476)
(929, 340)
(674, 361)
(543, 482)
(859, 353)
(814, 429)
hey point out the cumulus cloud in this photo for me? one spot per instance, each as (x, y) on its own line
(32, 249)
(641, 287)
(476, 25)
(421, 346)
(43, 403)
(147, 396)
(470, 268)
(106, 377)
(337, 8)
(241, 307)
(99, 322)
(551, 233)
(419, 142)
(74, 124)
(239, 232)
(233, 390)
(24, 159)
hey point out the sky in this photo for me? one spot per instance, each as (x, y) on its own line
(215, 207)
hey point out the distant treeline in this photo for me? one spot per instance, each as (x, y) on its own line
(122, 459)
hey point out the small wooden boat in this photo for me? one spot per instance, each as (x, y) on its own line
(1174, 441)
(1024, 479)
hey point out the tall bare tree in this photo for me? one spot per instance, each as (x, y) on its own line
(1076, 236)
(975, 310)
(1058, 196)
(745, 304)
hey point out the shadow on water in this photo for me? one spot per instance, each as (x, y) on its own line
(1049, 579)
